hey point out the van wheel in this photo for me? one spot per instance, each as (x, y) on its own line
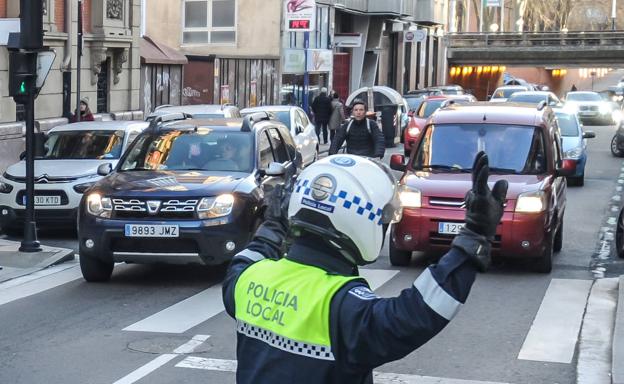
(558, 243)
(617, 152)
(399, 257)
(94, 269)
(544, 263)
(619, 236)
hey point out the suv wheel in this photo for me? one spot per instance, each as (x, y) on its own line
(94, 269)
(399, 257)
(558, 243)
(544, 263)
(619, 236)
(614, 147)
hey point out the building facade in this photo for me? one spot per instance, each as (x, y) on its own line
(110, 65)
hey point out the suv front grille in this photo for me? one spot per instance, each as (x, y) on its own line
(593, 108)
(142, 208)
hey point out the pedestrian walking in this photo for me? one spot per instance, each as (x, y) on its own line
(308, 317)
(337, 116)
(322, 108)
(573, 89)
(362, 135)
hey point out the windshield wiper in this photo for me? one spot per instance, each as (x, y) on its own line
(446, 167)
(503, 170)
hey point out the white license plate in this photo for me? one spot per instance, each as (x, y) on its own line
(588, 113)
(450, 228)
(42, 201)
(151, 230)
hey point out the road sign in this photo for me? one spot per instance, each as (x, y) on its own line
(419, 35)
(44, 64)
(300, 15)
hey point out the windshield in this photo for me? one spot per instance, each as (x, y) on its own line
(533, 99)
(78, 145)
(568, 125)
(430, 107)
(583, 96)
(511, 149)
(414, 102)
(506, 92)
(204, 150)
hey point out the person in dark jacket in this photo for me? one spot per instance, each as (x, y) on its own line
(363, 136)
(322, 109)
(85, 112)
(308, 317)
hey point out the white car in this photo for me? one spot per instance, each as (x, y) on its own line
(301, 128)
(592, 109)
(72, 155)
(198, 111)
(502, 93)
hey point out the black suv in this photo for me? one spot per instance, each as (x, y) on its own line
(186, 191)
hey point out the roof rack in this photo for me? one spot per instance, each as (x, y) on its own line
(163, 106)
(156, 121)
(250, 120)
(541, 105)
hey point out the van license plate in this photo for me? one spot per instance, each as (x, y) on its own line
(151, 230)
(450, 228)
(46, 200)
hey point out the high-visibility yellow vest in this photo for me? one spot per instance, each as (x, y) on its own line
(286, 304)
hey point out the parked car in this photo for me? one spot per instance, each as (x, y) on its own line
(535, 97)
(421, 115)
(591, 108)
(300, 126)
(447, 89)
(574, 143)
(501, 94)
(71, 155)
(523, 145)
(186, 192)
(198, 111)
(617, 143)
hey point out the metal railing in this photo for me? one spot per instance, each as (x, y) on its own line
(541, 39)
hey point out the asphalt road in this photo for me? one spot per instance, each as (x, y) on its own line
(69, 331)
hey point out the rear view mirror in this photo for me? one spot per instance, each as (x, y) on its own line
(105, 169)
(589, 135)
(397, 162)
(489, 97)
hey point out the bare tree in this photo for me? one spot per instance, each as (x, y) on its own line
(545, 16)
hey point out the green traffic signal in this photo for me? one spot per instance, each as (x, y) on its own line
(22, 88)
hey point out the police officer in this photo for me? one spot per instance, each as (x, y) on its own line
(308, 317)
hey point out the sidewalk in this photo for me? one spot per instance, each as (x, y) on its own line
(617, 366)
(16, 264)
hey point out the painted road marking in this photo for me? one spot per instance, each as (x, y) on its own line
(193, 311)
(146, 369)
(191, 345)
(38, 282)
(379, 377)
(554, 333)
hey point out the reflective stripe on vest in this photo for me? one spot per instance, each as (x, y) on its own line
(286, 305)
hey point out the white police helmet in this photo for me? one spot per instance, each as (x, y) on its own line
(347, 200)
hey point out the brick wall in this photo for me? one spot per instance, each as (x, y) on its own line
(86, 15)
(59, 15)
(3, 8)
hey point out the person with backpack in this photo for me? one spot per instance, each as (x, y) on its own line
(363, 136)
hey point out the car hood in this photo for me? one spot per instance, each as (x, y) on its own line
(455, 185)
(598, 103)
(570, 142)
(59, 168)
(187, 183)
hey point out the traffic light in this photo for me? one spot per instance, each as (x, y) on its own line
(31, 24)
(22, 72)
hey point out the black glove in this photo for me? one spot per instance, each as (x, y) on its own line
(274, 229)
(484, 209)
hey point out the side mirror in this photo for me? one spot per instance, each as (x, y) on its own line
(488, 98)
(22, 155)
(397, 162)
(568, 167)
(105, 169)
(40, 139)
(275, 169)
(589, 135)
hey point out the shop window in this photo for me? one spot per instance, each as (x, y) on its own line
(209, 22)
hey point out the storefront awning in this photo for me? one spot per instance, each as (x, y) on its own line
(153, 52)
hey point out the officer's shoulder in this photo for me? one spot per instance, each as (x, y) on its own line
(360, 290)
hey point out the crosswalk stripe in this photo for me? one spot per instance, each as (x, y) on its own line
(554, 332)
(193, 311)
(37, 283)
(222, 365)
(145, 370)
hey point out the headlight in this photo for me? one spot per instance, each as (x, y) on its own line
(82, 188)
(616, 116)
(604, 109)
(99, 206)
(531, 202)
(413, 131)
(5, 187)
(573, 153)
(410, 197)
(213, 207)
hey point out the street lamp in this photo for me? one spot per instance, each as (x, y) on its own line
(494, 28)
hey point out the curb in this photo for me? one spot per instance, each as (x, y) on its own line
(51, 256)
(617, 364)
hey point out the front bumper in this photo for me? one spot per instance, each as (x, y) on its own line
(199, 241)
(518, 235)
(14, 218)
